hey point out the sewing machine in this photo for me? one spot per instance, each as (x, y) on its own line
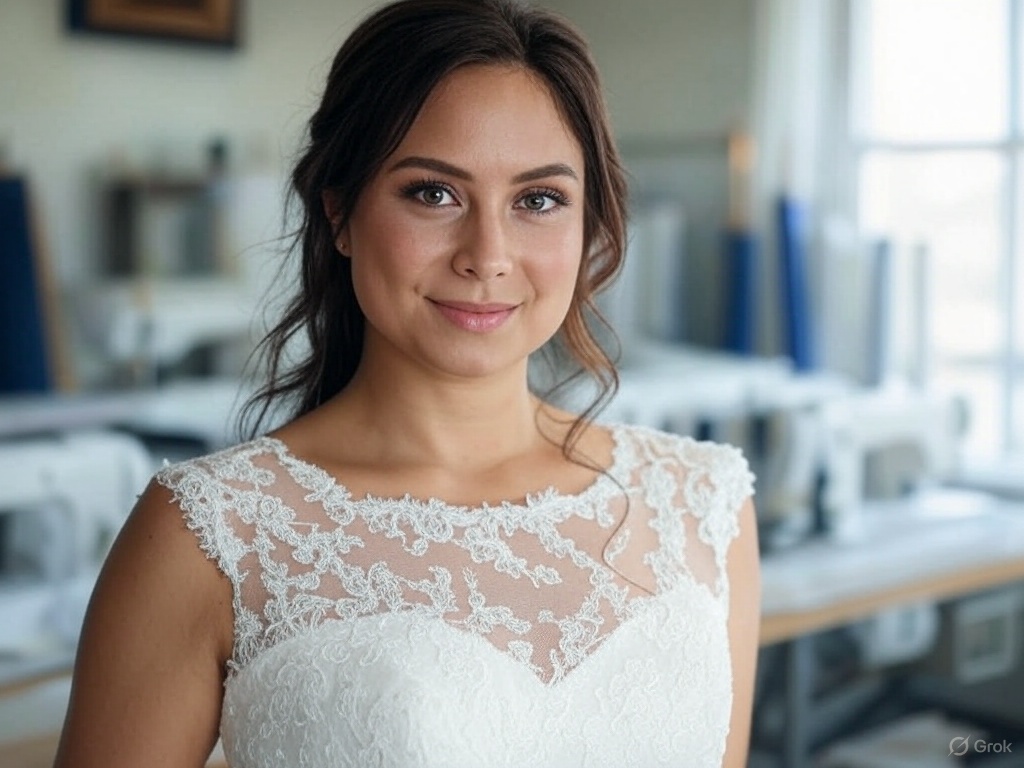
(690, 390)
(144, 325)
(62, 501)
(784, 446)
(884, 443)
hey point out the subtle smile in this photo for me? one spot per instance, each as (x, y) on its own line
(478, 318)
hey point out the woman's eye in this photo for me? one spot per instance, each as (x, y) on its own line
(435, 196)
(539, 202)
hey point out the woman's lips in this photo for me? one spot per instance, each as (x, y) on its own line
(478, 318)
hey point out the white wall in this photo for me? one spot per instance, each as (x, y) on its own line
(72, 104)
(673, 69)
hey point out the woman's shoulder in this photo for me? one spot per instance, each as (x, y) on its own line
(687, 478)
(232, 462)
(202, 483)
(721, 463)
(215, 495)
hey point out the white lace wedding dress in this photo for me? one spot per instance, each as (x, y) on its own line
(410, 633)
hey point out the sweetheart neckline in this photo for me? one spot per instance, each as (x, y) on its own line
(640, 607)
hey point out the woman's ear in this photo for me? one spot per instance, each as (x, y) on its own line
(335, 215)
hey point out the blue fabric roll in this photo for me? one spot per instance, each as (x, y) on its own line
(796, 309)
(741, 291)
(24, 366)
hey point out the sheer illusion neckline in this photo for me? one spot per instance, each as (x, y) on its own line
(608, 478)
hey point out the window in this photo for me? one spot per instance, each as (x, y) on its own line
(938, 145)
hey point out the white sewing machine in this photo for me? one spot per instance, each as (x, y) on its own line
(886, 442)
(62, 501)
(785, 450)
(680, 388)
(148, 323)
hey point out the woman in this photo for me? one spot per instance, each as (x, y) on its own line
(429, 565)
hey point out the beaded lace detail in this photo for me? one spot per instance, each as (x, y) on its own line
(373, 606)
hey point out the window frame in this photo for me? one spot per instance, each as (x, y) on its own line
(853, 147)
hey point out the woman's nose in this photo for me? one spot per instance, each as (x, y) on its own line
(484, 249)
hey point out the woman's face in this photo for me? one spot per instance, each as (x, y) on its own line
(466, 245)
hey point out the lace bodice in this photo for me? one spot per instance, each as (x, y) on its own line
(567, 630)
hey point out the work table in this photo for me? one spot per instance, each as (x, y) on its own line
(936, 545)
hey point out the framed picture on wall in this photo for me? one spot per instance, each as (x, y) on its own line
(213, 22)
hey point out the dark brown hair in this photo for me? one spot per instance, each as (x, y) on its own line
(378, 83)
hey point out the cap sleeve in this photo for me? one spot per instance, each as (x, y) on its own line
(219, 497)
(205, 501)
(719, 482)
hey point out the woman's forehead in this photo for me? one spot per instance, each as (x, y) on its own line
(481, 113)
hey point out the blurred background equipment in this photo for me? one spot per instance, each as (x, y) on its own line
(62, 502)
(29, 342)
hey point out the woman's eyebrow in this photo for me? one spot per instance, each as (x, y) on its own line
(440, 166)
(432, 164)
(544, 171)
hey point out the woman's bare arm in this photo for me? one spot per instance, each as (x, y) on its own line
(743, 568)
(148, 676)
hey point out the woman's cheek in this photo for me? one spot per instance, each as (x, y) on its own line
(560, 254)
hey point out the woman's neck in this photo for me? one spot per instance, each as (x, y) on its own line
(415, 419)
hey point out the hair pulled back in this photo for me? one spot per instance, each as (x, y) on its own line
(377, 84)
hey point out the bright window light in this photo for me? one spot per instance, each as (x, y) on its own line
(940, 156)
(936, 70)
